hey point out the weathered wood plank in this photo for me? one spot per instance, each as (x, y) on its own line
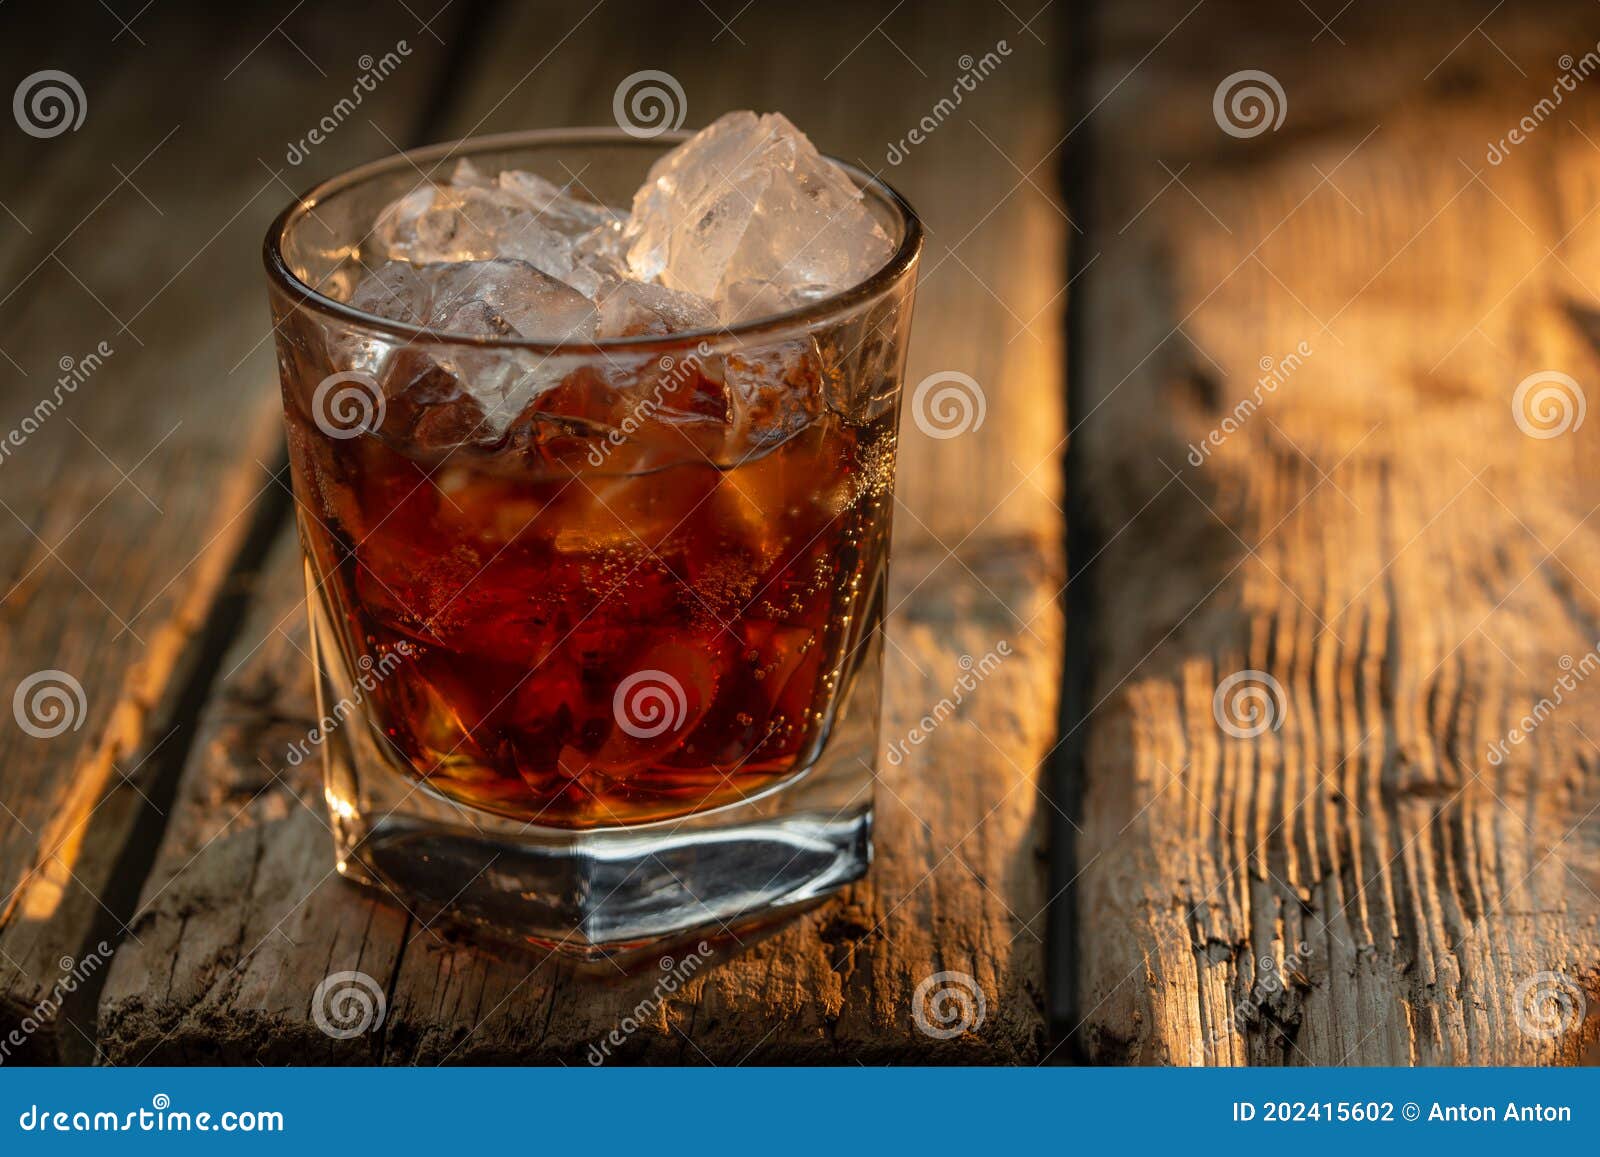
(241, 920)
(128, 254)
(1410, 572)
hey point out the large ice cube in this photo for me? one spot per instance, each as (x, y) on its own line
(438, 224)
(515, 215)
(498, 298)
(523, 301)
(395, 290)
(748, 213)
(633, 308)
(554, 205)
(775, 391)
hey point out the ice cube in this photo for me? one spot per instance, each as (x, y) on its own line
(775, 391)
(633, 308)
(599, 261)
(506, 299)
(592, 280)
(477, 317)
(514, 215)
(749, 214)
(554, 205)
(469, 223)
(394, 290)
(468, 175)
(521, 300)
(497, 298)
(427, 406)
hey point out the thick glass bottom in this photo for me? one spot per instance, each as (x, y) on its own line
(600, 893)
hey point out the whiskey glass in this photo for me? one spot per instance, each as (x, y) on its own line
(596, 625)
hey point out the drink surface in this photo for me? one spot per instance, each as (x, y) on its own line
(580, 630)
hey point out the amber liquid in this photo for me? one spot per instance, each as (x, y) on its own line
(577, 647)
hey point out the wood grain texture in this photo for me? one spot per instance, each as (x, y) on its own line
(1363, 881)
(127, 497)
(241, 917)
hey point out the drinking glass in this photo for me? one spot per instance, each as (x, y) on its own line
(596, 625)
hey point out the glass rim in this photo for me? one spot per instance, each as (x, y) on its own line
(880, 282)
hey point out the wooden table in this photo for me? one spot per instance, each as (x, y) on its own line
(1378, 539)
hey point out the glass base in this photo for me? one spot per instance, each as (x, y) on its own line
(603, 893)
